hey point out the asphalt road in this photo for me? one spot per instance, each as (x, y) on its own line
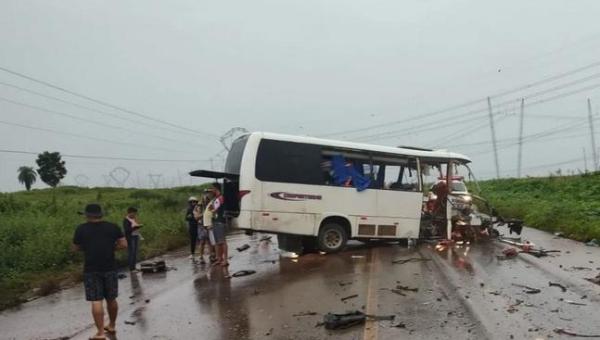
(464, 292)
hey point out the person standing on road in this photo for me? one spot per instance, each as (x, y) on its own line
(98, 240)
(203, 238)
(217, 208)
(131, 227)
(192, 225)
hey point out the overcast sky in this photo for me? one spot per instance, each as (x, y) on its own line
(300, 67)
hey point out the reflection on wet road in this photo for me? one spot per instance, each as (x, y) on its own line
(461, 291)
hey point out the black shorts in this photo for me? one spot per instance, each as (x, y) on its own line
(101, 285)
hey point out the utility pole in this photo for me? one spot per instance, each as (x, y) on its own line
(585, 161)
(591, 120)
(521, 138)
(493, 137)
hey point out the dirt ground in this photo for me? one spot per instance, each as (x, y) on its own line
(464, 291)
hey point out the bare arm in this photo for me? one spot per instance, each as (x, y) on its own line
(121, 243)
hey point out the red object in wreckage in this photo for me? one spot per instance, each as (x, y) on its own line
(510, 252)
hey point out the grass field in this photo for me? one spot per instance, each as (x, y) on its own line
(36, 229)
(568, 204)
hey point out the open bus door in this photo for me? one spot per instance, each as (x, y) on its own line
(230, 186)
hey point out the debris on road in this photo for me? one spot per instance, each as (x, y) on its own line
(559, 234)
(528, 290)
(132, 323)
(304, 314)
(406, 288)
(349, 297)
(575, 303)
(266, 238)
(242, 248)
(342, 321)
(240, 273)
(412, 259)
(512, 308)
(510, 252)
(400, 325)
(566, 332)
(153, 267)
(552, 284)
(269, 332)
(342, 284)
(593, 243)
(397, 291)
(581, 268)
(540, 252)
(595, 280)
(526, 247)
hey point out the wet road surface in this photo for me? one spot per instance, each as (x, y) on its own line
(464, 291)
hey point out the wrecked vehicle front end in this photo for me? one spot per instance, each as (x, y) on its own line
(457, 211)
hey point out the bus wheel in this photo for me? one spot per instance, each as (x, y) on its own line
(332, 238)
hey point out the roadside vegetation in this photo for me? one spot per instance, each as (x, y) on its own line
(567, 204)
(36, 230)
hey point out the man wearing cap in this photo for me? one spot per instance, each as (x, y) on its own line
(192, 225)
(98, 240)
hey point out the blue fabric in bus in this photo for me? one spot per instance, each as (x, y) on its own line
(341, 173)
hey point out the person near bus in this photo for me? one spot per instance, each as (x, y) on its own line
(217, 232)
(98, 240)
(192, 225)
(203, 238)
(131, 227)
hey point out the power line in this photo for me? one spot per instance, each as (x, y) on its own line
(117, 142)
(469, 103)
(136, 121)
(392, 134)
(108, 158)
(104, 103)
(68, 115)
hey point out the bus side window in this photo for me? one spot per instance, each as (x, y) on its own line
(410, 179)
(392, 174)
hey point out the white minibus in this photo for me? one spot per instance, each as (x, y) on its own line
(317, 194)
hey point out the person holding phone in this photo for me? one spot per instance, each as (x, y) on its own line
(131, 227)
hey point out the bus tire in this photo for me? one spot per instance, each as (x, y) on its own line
(332, 238)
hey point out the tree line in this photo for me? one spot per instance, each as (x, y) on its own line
(51, 170)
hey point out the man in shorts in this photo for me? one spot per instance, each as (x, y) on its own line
(203, 238)
(98, 240)
(217, 232)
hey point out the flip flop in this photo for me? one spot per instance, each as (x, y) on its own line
(111, 331)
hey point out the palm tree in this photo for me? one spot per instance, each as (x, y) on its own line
(27, 176)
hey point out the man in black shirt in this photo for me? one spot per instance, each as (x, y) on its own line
(98, 240)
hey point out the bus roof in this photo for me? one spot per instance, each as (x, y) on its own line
(434, 155)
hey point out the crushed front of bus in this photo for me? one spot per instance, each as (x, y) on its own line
(456, 211)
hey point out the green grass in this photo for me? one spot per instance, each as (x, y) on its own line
(36, 230)
(568, 204)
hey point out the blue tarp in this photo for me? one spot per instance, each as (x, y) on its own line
(342, 173)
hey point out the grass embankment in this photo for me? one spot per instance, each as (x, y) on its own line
(569, 204)
(36, 230)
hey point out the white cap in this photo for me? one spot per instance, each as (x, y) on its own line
(192, 198)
